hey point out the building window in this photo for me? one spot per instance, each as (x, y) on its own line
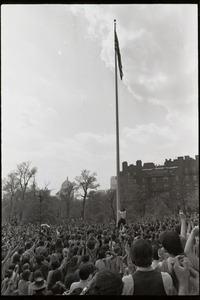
(194, 169)
(134, 180)
(154, 188)
(177, 178)
(134, 174)
(187, 177)
(178, 195)
(187, 186)
(143, 187)
(167, 195)
(143, 180)
(154, 194)
(166, 187)
(194, 177)
(166, 179)
(154, 180)
(186, 170)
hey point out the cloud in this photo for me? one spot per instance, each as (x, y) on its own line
(156, 46)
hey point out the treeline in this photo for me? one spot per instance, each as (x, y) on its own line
(24, 200)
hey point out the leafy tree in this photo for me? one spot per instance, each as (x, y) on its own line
(97, 208)
(86, 182)
(192, 201)
(157, 207)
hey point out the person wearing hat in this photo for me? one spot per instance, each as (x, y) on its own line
(39, 286)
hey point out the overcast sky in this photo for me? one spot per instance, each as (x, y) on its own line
(58, 87)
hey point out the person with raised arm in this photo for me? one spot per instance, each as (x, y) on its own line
(122, 219)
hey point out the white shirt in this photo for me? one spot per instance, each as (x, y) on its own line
(79, 284)
(122, 214)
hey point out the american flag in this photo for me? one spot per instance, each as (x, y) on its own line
(118, 55)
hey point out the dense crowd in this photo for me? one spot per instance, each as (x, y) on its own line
(148, 257)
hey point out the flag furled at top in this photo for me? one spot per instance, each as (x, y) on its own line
(118, 55)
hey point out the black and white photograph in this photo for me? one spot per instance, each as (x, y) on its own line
(99, 149)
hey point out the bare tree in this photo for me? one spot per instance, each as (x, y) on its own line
(111, 196)
(10, 186)
(24, 175)
(86, 181)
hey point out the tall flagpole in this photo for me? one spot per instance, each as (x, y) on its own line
(117, 134)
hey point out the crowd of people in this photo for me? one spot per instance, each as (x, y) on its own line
(148, 257)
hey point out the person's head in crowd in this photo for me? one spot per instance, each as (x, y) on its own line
(66, 244)
(45, 255)
(163, 227)
(85, 258)
(100, 231)
(177, 229)
(113, 235)
(58, 243)
(102, 254)
(72, 237)
(16, 258)
(26, 275)
(79, 237)
(106, 282)
(12, 266)
(20, 250)
(86, 271)
(91, 244)
(25, 259)
(73, 261)
(141, 253)
(28, 245)
(69, 279)
(75, 250)
(54, 257)
(57, 289)
(172, 243)
(106, 241)
(67, 237)
(99, 237)
(49, 238)
(117, 250)
(105, 247)
(26, 266)
(105, 233)
(56, 276)
(54, 265)
(52, 247)
(39, 285)
(155, 252)
(8, 273)
(41, 243)
(39, 258)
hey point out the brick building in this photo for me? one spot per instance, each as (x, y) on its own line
(176, 181)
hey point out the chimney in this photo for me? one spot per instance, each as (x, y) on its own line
(124, 166)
